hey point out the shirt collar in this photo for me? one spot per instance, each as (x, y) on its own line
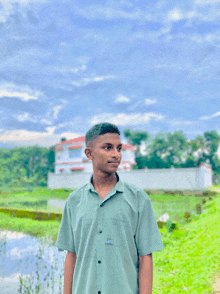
(119, 187)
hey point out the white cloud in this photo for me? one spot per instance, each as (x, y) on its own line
(121, 99)
(206, 2)
(196, 13)
(218, 152)
(68, 70)
(8, 6)
(101, 11)
(25, 117)
(150, 101)
(50, 130)
(123, 119)
(205, 38)
(56, 110)
(211, 116)
(46, 121)
(151, 35)
(23, 93)
(77, 69)
(86, 81)
(34, 119)
(30, 138)
(143, 148)
(22, 96)
(174, 15)
(182, 122)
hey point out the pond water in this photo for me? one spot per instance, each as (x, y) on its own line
(55, 204)
(32, 263)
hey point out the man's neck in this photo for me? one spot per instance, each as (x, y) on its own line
(102, 181)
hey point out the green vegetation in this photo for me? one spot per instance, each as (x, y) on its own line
(191, 252)
(175, 205)
(191, 255)
(166, 150)
(25, 166)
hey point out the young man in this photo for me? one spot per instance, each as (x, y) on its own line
(108, 226)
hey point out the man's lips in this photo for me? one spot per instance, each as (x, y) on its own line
(115, 162)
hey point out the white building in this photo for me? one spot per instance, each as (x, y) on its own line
(70, 157)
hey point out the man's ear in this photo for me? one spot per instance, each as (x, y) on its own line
(88, 152)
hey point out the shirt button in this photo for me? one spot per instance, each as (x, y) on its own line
(101, 204)
(99, 292)
(99, 261)
(100, 232)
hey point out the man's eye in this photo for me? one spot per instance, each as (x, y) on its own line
(107, 147)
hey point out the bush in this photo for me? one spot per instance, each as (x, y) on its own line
(63, 190)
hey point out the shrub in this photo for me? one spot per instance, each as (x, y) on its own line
(187, 215)
(198, 208)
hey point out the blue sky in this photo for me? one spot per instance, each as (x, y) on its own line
(66, 65)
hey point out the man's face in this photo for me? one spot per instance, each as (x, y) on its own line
(106, 152)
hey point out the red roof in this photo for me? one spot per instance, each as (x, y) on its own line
(76, 140)
(77, 168)
(128, 147)
(82, 140)
(75, 147)
(58, 148)
(61, 169)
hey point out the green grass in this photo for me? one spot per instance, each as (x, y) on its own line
(174, 205)
(191, 255)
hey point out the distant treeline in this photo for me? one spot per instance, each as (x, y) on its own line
(29, 166)
(25, 166)
(166, 150)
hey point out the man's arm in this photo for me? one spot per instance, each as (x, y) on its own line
(69, 271)
(145, 274)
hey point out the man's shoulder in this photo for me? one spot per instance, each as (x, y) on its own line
(77, 193)
(135, 189)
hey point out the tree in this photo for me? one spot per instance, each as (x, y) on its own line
(26, 165)
(212, 143)
(177, 145)
(166, 150)
(51, 158)
(135, 138)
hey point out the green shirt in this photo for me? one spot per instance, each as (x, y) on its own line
(108, 236)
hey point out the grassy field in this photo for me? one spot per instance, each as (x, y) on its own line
(191, 255)
(174, 205)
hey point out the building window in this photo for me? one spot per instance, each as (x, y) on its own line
(75, 153)
(59, 154)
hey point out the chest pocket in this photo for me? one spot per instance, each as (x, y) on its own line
(117, 232)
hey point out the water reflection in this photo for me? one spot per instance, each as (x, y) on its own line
(29, 265)
(56, 204)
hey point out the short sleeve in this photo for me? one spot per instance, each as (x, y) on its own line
(148, 238)
(65, 240)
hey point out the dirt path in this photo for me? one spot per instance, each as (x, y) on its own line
(216, 189)
(216, 284)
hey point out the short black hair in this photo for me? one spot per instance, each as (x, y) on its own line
(100, 129)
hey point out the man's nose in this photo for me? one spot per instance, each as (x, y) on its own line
(116, 153)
